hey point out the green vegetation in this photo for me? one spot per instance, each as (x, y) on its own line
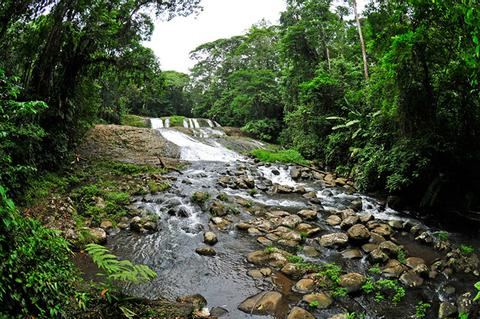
(397, 117)
(294, 259)
(466, 249)
(441, 235)
(339, 292)
(282, 156)
(118, 270)
(375, 269)
(176, 120)
(36, 274)
(402, 256)
(421, 309)
(477, 287)
(134, 120)
(314, 304)
(383, 289)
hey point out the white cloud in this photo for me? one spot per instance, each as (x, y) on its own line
(173, 40)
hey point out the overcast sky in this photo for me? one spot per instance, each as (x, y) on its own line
(173, 40)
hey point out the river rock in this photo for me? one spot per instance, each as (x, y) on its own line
(266, 271)
(352, 281)
(217, 208)
(150, 226)
(353, 253)
(332, 240)
(310, 195)
(446, 310)
(310, 251)
(282, 189)
(258, 257)
(333, 220)
(197, 300)
(293, 270)
(383, 230)
(210, 238)
(411, 279)
(106, 224)
(291, 221)
(308, 214)
(368, 247)
(378, 256)
(255, 274)
(300, 313)
(206, 251)
(243, 226)
(200, 197)
(365, 218)
(324, 300)
(356, 205)
(218, 312)
(413, 262)
(252, 231)
(304, 285)
(295, 173)
(97, 235)
(264, 241)
(393, 269)
(358, 234)
(389, 248)
(308, 229)
(349, 221)
(265, 303)
(221, 223)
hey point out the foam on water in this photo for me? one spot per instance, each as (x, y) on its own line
(283, 178)
(194, 150)
(156, 123)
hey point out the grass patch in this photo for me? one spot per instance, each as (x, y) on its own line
(176, 120)
(282, 156)
(135, 120)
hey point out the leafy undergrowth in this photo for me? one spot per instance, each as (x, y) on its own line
(135, 120)
(176, 120)
(90, 193)
(282, 156)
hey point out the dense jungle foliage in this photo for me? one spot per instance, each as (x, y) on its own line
(405, 122)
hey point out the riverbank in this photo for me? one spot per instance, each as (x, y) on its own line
(262, 239)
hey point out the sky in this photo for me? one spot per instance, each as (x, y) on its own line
(173, 40)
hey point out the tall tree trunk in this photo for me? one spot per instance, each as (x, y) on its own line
(362, 43)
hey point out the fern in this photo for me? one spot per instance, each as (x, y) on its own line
(119, 270)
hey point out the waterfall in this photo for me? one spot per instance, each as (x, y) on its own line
(195, 122)
(156, 123)
(185, 123)
(167, 122)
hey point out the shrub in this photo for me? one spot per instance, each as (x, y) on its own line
(36, 274)
(283, 156)
(135, 120)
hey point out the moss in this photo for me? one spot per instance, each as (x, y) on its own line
(135, 120)
(282, 156)
(200, 197)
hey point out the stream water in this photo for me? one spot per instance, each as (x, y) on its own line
(223, 279)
